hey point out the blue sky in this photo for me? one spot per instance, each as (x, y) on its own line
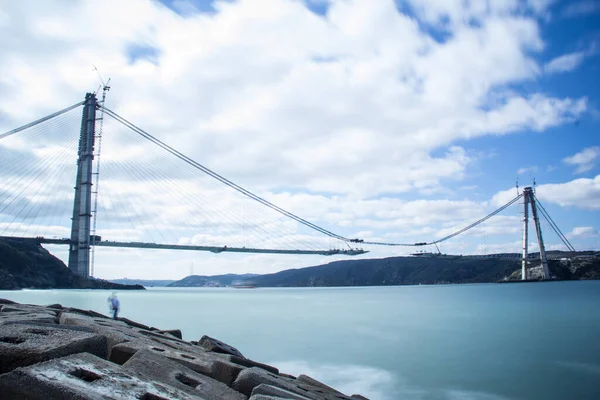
(397, 121)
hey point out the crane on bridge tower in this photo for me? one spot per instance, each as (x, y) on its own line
(96, 174)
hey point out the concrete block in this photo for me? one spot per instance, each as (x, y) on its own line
(217, 346)
(173, 332)
(250, 378)
(162, 335)
(55, 306)
(250, 363)
(313, 382)
(172, 342)
(68, 317)
(50, 325)
(201, 361)
(12, 308)
(161, 369)
(25, 308)
(22, 344)
(42, 317)
(116, 332)
(269, 390)
(136, 324)
(358, 397)
(89, 313)
(84, 376)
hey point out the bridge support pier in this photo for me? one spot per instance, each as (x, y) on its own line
(525, 235)
(79, 250)
(529, 198)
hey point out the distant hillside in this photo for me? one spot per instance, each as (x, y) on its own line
(211, 281)
(404, 271)
(394, 271)
(417, 270)
(26, 264)
(143, 282)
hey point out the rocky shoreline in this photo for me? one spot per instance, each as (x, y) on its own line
(26, 264)
(56, 352)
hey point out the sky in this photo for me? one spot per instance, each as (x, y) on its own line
(397, 121)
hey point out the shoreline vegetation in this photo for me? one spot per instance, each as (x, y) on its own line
(24, 264)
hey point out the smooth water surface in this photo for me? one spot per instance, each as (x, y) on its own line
(485, 342)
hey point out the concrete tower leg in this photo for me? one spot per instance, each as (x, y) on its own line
(79, 250)
(538, 230)
(525, 233)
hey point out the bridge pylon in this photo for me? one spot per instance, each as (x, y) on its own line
(529, 199)
(79, 250)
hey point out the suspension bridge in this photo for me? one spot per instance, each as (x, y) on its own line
(152, 196)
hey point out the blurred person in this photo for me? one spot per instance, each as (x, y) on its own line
(113, 304)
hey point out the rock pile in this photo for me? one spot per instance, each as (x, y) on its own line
(54, 352)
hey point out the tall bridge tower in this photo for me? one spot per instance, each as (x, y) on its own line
(529, 199)
(79, 250)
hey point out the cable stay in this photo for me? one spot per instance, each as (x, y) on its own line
(554, 227)
(435, 242)
(39, 121)
(224, 180)
(265, 202)
(26, 184)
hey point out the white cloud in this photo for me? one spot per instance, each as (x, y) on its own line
(582, 232)
(525, 170)
(353, 105)
(585, 160)
(502, 197)
(226, 76)
(564, 63)
(582, 193)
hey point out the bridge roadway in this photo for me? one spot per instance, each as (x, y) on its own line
(212, 249)
(550, 255)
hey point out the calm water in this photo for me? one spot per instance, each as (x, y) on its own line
(485, 342)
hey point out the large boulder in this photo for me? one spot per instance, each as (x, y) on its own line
(84, 377)
(25, 344)
(162, 369)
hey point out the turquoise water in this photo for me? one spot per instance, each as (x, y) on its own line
(484, 342)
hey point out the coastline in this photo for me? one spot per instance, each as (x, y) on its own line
(63, 353)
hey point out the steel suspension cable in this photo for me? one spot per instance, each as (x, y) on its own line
(227, 182)
(553, 225)
(31, 181)
(259, 199)
(133, 168)
(39, 121)
(474, 224)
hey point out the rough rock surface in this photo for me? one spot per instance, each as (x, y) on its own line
(56, 352)
(26, 264)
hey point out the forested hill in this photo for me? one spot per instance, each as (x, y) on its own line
(211, 281)
(423, 270)
(394, 271)
(26, 264)
(404, 271)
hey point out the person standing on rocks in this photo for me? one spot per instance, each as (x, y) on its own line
(113, 304)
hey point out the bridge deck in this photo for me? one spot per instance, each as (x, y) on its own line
(212, 249)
